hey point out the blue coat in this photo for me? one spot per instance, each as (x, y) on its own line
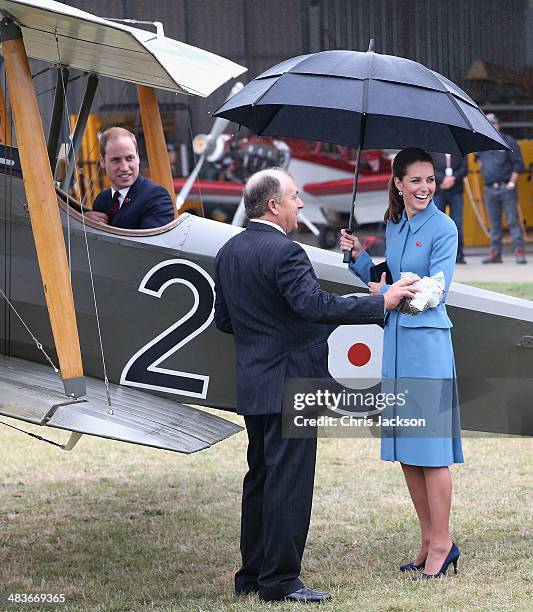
(268, 297)
(419, 348)
(147, 205)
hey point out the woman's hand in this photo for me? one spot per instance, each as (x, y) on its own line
(350, 243)
(375, 287)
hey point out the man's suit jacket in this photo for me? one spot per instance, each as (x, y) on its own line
(147, 205)
(268, 296)
(460, 170)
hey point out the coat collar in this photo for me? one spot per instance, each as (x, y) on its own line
(416, 222)
(263, 227)
(135, 186)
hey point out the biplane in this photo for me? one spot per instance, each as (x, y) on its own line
(109, 332)
(36, 214)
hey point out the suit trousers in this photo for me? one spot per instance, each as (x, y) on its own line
(276, 508)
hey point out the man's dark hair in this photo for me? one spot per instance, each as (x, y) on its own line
(257, 195)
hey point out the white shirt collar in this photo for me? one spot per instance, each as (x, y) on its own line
(123, 193)
(278, 227)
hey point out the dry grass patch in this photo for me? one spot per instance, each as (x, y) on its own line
(121, 527)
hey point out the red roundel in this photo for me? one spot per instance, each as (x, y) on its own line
(359, 354)
(355, 353)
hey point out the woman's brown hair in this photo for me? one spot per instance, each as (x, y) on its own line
(401, 162)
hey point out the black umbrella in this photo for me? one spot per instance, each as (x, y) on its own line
(362, 100)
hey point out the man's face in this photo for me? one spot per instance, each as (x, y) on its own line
(289, 206)
(121, 162)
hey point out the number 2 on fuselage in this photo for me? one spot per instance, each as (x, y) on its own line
(142, 369)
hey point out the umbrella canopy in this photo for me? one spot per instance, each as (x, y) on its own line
(362, 99)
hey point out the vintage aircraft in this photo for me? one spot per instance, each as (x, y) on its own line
(142, 302)
(74, 39)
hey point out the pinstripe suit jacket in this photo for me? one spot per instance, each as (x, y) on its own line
(268, 296)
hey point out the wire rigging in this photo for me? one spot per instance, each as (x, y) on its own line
(32, 435)
(195, 157)
(91, 276)
(37, 343)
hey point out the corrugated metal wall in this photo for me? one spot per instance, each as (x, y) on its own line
(446, 35)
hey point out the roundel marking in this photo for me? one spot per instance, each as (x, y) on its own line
(355, 354)
(359, 354)
(349, 343)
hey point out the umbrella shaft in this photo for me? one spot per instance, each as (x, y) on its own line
(356, 179)
(354, 190)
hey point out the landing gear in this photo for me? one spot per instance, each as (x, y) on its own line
(328, 237)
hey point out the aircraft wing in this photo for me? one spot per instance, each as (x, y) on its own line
(115, 50)
(33, 393)
(366, 182)
(212, 191)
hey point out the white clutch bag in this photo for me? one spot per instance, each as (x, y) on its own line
(431, 290)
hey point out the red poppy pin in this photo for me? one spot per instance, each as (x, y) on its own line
(126, 201)
(418, 244)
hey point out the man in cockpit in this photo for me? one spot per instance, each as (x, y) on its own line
(132, 202)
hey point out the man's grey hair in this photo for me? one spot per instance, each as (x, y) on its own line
(260, 189)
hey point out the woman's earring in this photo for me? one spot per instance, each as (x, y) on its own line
(400, 193)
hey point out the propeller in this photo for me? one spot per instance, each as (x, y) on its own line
(203, 145)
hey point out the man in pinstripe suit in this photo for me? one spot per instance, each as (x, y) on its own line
(268, 297)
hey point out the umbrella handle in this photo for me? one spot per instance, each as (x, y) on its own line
(347, 257)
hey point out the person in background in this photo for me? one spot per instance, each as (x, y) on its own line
(449, 173)
(500, 171)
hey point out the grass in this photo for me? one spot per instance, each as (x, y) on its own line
(521, 290)
(117, 527)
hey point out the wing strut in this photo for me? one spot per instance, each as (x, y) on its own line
(57, 114)
(81, 124)
(42, 205)
(154, 137)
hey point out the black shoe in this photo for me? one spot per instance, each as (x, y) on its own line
(308, 595)
(460, 260)
(411, 567)
(493, 257)
(452, 557)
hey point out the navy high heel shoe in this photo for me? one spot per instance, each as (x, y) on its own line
(412, 567)
(452, 557)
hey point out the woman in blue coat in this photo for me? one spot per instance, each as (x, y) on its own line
(422, 240)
